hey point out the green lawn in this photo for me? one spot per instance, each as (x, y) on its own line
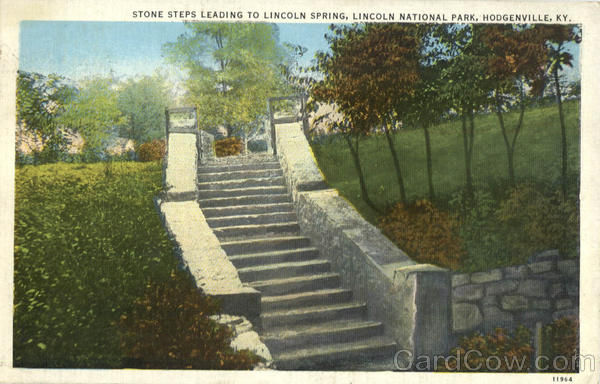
(537, 157)
(88, 240)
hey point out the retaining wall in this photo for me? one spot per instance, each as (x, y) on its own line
(412, 300)
(543, 290)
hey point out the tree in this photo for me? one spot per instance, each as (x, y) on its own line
(93, 113)
(336, 88)
(233, 69)
(40, 101)
(143, 101)
(514, 61)
(465, 83)
(557, 36)
(375, 70)
(428, 105)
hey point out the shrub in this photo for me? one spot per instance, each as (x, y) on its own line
(425, 233)
(152, 150)
(535, 221)
(169, 328)
(258, 146)
(482, 236)
(561, 338)
(504, 352)
(230, 146)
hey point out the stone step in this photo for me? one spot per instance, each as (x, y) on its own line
(247, 209)
(328, 357)
(259, 218)
(240, 232)
(235, 192)
(296, 284)
(240, 247)
(242, 183)
(244, 200)
(312, 315)
(306, 299)
(302, 336)
(215, 167)
(239, 175)
(273, 257)
(283, 270)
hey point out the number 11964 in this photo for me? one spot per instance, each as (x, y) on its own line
(561, 379)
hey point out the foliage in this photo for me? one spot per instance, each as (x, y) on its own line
(143, 101)
(538, 221)
(230, 146)
(483, 237)
(509, 352)
(561, 338)
(94, 112)
(258, 146)
(40, 101)
(152, 150)
(87, 242)
(516, 59)
(424, 232)
(169, 328)
(233, 69)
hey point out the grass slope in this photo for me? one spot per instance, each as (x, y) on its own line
(87, 243)
(537, 157)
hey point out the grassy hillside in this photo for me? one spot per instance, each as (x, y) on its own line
(537, 157)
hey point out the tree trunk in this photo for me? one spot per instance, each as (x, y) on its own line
(429, 161)
(361, 178)
(510, 145)
(396, 164)
(467, 144)
(563, 131)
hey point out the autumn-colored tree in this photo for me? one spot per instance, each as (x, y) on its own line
(557, 37)
(373, 70)
(515, 61)
(335, 87)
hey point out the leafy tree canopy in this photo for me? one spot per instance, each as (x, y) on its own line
(94, 112)
(233, 69)
(142, 101)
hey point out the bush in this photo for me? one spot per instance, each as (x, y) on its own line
(482, 236)
(561, 338)
(504, 352)
(152, 150)
(537, 221)
(258, 146)
(230, 146)
(425, 233)
(169, 328)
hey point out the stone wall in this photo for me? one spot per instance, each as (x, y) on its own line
(543, 290)
(412, 300)
(297, 160)
(181, 167)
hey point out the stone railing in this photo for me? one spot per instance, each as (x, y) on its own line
(412, 300)
(197, 246)
(543, 290)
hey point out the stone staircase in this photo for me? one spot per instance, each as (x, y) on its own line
(308, 320)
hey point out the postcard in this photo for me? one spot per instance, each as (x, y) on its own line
(332, 191)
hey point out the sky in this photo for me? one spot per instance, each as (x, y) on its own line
(81, 49)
